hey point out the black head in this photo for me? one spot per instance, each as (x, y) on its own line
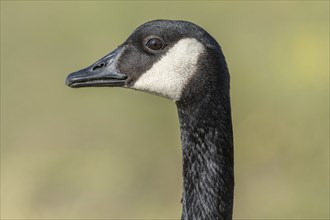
(163, 57)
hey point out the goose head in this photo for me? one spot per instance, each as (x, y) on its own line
(182, 62)
(173, 59)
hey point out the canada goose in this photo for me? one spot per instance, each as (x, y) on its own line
(181, 61)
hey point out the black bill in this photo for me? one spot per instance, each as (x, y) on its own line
(102, 73)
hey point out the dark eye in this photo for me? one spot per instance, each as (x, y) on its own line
(154, 44)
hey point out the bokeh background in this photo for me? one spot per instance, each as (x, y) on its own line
(110, 153)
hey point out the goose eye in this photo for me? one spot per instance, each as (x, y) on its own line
(154, 44)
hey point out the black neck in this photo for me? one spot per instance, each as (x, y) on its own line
(207, 146)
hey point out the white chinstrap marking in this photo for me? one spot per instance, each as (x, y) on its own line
(169, 76)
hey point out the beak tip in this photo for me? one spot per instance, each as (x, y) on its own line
(67, 81)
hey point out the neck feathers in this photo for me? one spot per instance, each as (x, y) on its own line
(208, 172)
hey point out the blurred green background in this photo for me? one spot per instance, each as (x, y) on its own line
(114, 153)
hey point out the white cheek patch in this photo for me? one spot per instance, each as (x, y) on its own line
(169, 76)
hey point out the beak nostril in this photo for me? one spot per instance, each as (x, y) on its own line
(98, 66)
